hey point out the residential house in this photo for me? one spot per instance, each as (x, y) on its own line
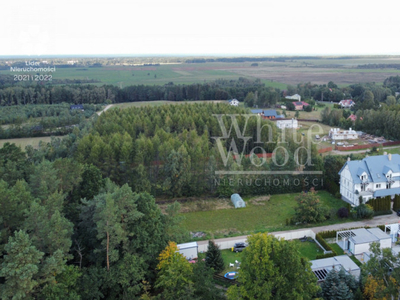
(234, 102)
(272, 114)
(346, 103)
(281, 124)
(371, 177)
(352, 117)
(76, 107)
(338, 134)
(299, 105)
(296, 97)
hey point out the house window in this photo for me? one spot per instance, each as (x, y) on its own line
(378, 186)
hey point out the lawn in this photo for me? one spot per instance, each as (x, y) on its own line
(308, 250)
(269, 217)
(23, 142)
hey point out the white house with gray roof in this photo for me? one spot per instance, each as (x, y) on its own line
(371, 177)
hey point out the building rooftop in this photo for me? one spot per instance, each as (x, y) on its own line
(187, 245)
(375, 166)
(321, 267)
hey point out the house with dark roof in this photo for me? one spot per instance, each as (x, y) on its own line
(76, 107)
(271, 114)
(372, 177)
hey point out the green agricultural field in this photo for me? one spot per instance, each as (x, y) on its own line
(273, 73)
(269, 217)
(23, 142)
(123, 76)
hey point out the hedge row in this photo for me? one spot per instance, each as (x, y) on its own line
(380, 204)
(383, 212)
(396, 203)
(319, 256)
(324, 244)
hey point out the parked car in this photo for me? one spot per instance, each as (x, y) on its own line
(238, 247)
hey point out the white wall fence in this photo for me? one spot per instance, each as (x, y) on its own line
(228, 243)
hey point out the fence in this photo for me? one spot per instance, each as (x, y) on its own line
(323, 150)
(357, 147)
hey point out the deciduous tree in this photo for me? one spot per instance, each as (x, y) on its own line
(273, 269)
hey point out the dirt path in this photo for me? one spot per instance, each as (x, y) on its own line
(106, 108)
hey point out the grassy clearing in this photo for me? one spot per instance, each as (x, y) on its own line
(255, 218)
(23, 142)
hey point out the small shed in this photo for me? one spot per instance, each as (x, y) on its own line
(188, 250)
(237, 201)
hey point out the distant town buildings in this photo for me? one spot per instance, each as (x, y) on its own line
(338, 134)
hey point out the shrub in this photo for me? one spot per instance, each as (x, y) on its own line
(343, 212)
(309, 208)
(396, 203)
(308, 108)
(364, 211)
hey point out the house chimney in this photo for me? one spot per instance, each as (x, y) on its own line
(390, 156)
(348, 159)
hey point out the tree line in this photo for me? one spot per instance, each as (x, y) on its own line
(67, 233)
(89, 94)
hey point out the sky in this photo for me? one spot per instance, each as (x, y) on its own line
(192, 27)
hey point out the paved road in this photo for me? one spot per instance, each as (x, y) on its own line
(106, 108)
(379, 220)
